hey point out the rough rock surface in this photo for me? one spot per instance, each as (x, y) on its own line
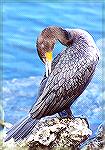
(98, 142)
(54, 134)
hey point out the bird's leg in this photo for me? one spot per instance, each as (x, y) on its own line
(60, 114)
(69, 113)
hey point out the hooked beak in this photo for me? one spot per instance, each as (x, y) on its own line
(48, 62)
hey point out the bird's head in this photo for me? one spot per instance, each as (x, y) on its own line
(46, 41)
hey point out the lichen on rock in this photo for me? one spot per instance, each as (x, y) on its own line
(53, 133)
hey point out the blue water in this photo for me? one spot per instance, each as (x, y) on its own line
(22, 68)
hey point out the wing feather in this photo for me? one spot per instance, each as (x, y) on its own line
(68, 79)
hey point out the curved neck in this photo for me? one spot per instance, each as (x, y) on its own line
(53, 34)
(63, 36)
(48, 38)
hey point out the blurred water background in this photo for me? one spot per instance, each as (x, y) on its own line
(22, 68)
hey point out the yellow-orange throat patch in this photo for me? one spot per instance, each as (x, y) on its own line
(49, 56)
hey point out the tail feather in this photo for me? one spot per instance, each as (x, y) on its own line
(17, 125)
(22, 129)
(26, 129)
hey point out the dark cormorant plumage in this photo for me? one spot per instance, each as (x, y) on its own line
(71, 71)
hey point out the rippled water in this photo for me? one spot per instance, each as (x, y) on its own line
(22, 68)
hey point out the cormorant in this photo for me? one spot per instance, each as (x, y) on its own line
(66, 76)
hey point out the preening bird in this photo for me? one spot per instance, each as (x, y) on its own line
(66, 77)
